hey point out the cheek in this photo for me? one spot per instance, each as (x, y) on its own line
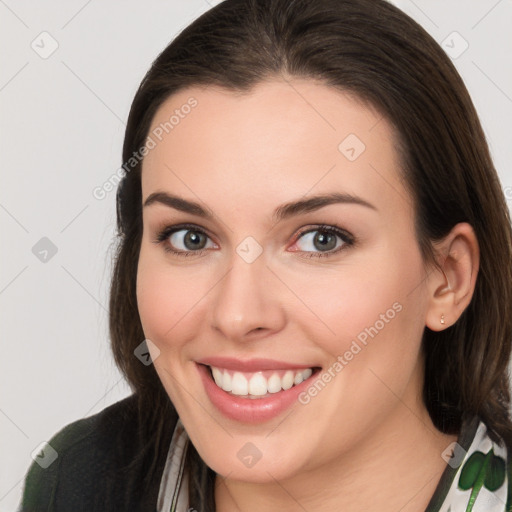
(155, 302)
(170, 299)
(160, 305)
(371, 328)
(372, 313)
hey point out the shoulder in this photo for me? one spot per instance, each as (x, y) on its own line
(96, 459)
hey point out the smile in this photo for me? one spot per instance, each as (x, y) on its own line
(258, 384)
(253, 391)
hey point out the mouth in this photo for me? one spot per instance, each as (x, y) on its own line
(259, 384)
(253, 391)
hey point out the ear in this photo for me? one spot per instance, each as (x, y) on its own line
(450, 288)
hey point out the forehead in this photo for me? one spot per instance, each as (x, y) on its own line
(282, 140)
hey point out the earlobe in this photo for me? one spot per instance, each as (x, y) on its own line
(451, 286)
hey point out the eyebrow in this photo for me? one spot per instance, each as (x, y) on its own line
(282, 212)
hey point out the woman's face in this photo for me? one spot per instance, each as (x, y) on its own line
(268, 291)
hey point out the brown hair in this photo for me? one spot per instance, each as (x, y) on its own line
(373, 50)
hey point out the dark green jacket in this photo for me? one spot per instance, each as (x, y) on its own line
(101, 465)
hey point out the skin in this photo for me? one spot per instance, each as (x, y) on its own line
(367, 433)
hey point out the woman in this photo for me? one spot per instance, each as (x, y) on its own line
(311, 296)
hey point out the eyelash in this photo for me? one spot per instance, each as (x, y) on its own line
(346, 237)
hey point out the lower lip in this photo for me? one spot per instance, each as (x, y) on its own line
(248, 410)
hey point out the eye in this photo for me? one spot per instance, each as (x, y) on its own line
(183, 240)
(328, 240)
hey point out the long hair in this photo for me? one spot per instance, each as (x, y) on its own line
(370, 49)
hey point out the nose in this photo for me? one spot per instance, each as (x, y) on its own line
(247, 302)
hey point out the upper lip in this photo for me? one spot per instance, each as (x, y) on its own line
(251, 365)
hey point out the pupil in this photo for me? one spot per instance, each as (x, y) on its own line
(194, 238)
(324, 239)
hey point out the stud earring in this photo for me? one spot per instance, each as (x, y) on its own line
(442, 319)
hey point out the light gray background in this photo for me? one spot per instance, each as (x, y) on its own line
(62, 124)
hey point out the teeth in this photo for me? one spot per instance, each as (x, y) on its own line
(274, 384)
(227, 382)
(307, 373)
(253, 385)
(288, 380)
(217, 376)
(240, 386)
(257, 385)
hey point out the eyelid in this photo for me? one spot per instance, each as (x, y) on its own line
(331, 228)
